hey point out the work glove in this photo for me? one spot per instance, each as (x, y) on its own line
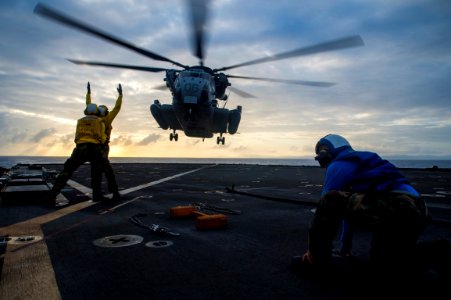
(88, 88)
(308, 259)
(119, 89)
(305, 263)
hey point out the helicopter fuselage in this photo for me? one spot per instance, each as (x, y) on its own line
(194, 106)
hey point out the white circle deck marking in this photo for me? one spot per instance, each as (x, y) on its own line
(227, 200)
(159, 244)
(22, 240)
(120, 240)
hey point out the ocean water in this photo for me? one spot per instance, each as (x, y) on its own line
(9, 161)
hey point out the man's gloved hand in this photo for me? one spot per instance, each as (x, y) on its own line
(119, 89)
(308, 259)
(88, 88)
(303, 264)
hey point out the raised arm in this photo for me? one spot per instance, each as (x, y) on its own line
(88, 94)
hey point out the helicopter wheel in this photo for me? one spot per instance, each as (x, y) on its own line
(173, 136)
(220, 139)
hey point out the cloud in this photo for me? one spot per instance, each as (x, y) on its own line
(65, 139)
(122, 141)
(151, 138)
(42, 135)
(15, 136)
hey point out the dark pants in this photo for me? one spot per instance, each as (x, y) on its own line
(82, 153)
(396, 220)
(109, 172)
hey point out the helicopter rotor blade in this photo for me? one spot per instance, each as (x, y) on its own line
(50, 13)
(139, 68)
(347, 42)
(240, 92)
(199, 19)
(300, 82)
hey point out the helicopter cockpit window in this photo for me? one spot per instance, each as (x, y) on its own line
(195, 74)
(188, 74)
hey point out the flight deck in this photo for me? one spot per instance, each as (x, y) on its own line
(135, 248)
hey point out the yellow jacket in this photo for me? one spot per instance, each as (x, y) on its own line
(108, 119)
(90, 129)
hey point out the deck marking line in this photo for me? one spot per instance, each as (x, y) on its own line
(146, 185)
(119, 205)
(85, 190)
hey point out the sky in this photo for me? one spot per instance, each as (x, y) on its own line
(392, 96)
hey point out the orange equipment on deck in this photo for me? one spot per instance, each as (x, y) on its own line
(203, 221)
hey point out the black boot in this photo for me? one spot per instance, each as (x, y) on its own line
(51, 199)
(116, 196)
(99, 198)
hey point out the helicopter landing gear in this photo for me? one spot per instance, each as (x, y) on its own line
(173, 136)
(220, 139)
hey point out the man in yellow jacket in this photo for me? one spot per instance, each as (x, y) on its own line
(108, 118)
(89, 140)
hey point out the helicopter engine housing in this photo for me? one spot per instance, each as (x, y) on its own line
(157, 114)
(221, 83)
(164, 115)
(220, 120)
(234, 120)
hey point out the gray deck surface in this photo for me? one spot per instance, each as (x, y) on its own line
(247, 260)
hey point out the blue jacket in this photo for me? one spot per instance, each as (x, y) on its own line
(364, 172)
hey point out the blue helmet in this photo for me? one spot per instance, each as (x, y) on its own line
(91, 109)
(103, 111)
(335, 144)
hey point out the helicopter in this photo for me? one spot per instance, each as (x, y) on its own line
(197, 90)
